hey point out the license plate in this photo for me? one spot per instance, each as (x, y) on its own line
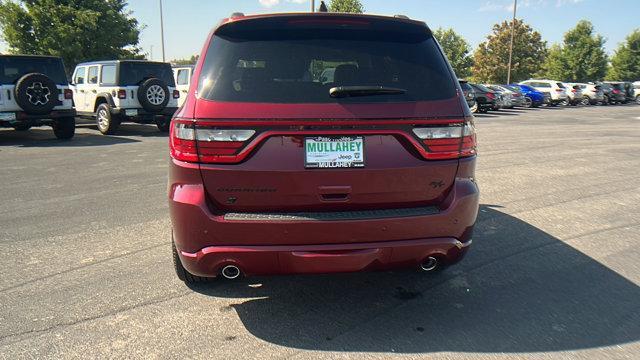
(7, 116)
(131, 112)
(334, 152)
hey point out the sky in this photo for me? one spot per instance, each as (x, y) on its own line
(187, 22)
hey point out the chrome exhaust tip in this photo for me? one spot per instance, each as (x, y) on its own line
(429, 264)
(230, 272)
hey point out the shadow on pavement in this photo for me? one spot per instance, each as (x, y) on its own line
(519, 290)
(44, 137)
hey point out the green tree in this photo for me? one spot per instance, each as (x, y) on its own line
(491, 58)
(625, 63)
(554, 65)
(457, 50)
(582, 57)
(76, 30)
(190, 61)
(346, 6)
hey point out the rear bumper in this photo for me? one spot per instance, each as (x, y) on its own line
(206, 241)
(35, 120)
(144, 115)
(309, 259)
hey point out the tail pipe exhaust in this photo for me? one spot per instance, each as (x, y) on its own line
(230, 272)
(430, 263)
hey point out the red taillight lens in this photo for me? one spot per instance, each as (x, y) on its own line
(616, 91)
(448, 142)
(491, 96)
(182, 144)
(194, 143)
(68, 94)
(122, 94)
(176, 94)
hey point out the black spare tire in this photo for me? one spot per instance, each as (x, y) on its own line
(36, 94)
(153, 94)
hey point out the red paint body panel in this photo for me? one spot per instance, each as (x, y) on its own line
(267, 174)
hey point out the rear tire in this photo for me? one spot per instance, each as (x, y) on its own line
(22, 127)
(163, 123)
(585, 101)
(107, 123)
(64, 128)
(528, 103)
(181, 272)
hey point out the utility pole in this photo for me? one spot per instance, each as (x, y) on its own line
(313, 5)
(161, 30)
(513, 30)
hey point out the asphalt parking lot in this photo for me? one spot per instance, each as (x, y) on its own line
(553, 272)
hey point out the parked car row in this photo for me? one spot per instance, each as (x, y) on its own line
(35, 91)
(535, 93)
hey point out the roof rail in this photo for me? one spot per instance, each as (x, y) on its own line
(400, 16)
(236, 15)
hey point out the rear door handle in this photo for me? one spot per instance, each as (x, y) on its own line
(81, 91)
(94, 91)
(334, 193)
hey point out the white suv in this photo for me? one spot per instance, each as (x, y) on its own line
(636, 91)
(116, 91)
(555, 89)
(34, 91)
(182, 75)
(591, 93)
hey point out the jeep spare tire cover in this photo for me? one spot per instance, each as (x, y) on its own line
(36, 94)
(153, 94)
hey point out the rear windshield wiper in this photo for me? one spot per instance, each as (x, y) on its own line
(346, 91)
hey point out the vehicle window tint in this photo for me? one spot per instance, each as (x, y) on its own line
(80, 75)
(301, 66)
(560, 85)
(133, 73)
(13, 68)
(108, 75)
(183, 77)
(92, 76)
(544, 85)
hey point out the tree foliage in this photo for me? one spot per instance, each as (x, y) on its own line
(581, 57)
(491, 58)
(346, 6)
(457, 49)
(190, 61)
(76, 30)
(625, 63)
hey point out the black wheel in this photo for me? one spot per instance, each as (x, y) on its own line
(22, 127)
(483, 110)
(606, 100)
(153, 94)
(181, 272)
(107, 123)
(64, 128)
(36, 94)
(528, 103)
(163, 123)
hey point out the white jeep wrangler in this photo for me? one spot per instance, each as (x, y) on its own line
(34, 91)
(116, 91)
(182, 75)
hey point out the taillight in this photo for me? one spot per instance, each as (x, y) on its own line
(491, 96)
(448, 142)
(68, 94)
(122, 94)
(176, 94)
(213, 144)
(182, 142)
(616, 91)
(559, 90)
(193, 143)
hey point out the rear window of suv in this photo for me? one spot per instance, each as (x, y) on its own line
(133, 73)
(13, 68)
(302, 65)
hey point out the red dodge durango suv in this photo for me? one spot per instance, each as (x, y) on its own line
(319, 143)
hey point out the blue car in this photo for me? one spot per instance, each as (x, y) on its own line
(533, 97)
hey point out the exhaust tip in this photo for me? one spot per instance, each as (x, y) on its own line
(230, 272)
(429, 264)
